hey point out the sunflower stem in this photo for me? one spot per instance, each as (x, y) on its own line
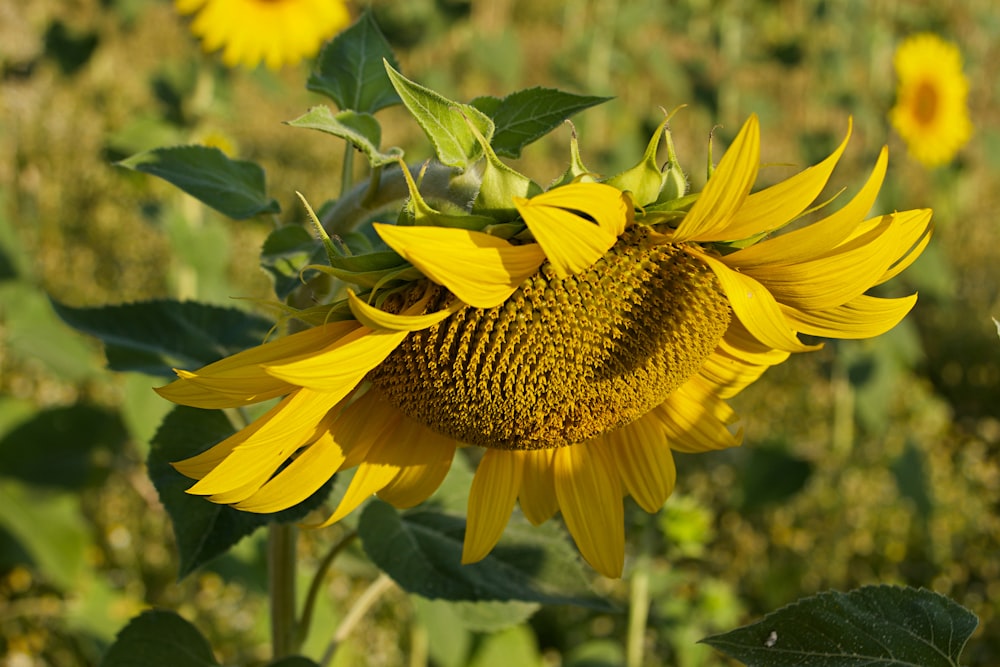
(347, 175)
(354, 615)
(281, 575)
(638, 609)
(315, 585)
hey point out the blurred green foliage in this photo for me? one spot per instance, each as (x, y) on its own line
(867, 462)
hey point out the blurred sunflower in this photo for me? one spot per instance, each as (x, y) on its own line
(931, 112)
(278, 32)
(578, 346)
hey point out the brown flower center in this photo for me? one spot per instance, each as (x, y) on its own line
(562, 360)
(925, 103)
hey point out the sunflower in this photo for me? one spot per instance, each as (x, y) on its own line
(931, 113)
(577, 346)
(279, 32)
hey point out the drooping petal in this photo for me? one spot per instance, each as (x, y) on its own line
(537, 496)
(644, 461)
(589, 490)
(916, 234)
(726, 191)
(341, 365)
(480, 269)
(776, 206)
(240, 379)
(862, 317)
(432, 455)
(571, 242)
(376, 319)
(491, 500)
(697, 420)
(802, 244)
(738, 361)
(754, 305)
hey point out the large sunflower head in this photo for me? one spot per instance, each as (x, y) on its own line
(931, 112)
(276, 32)
(576, 337)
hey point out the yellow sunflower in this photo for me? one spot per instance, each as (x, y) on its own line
(278, 32)
(931, 112)
(577, 347)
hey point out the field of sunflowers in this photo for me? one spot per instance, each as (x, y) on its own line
(870, 460)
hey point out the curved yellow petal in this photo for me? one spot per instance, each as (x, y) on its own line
(341, 366)
(776, 206)
(862, 317)
(432, 454)
(480, 269)
(726, 191)
(491, 500)
(589, 490)
(644, 461)
(697, 420)
(916, 234)
(537, 496)
(240, 379)
(807, 242)
(756, 308)
(571, 243)
(604, 204)
(738, 361)
(379, 320)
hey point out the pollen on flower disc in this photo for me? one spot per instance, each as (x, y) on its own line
(562, 360)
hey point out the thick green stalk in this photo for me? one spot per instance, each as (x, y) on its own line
(281, 574)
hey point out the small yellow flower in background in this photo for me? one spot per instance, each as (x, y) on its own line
(577, 353)
(277, 32)
(931, 112)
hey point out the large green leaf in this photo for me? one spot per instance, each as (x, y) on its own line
(361, 130)
(874, 625)
(153, 337)
(528, 115)
(446, 123)
(159, 638)
(203, 529)
(421, 550)
(233, 187)
(349, 69)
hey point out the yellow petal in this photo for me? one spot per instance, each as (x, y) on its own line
(537, 496)
(738, 361)
(776, 206)
(807, 242)
(491, 500)
(240, 379)
(299, 480)
(862, 317)
(432, 454)
(589, 490)
(696, 420)
(480, 269)
(916, 234)
(644, 461)
(726, 191)
(379, 320)
(341, 366)
(755, 307)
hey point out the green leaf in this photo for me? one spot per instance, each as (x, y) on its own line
(421, 550)
(159, 638)
(233, 187)
(203, 529)
(349, 68)
(361, 130)
(285, 253)
(528, 115)
(771, 475)
(65, 447)
(873, 625)
(153, 337)
(445, 123)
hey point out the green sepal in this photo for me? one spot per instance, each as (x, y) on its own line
(446, 123)
(675, 181)
(645, 180)
(361, 130)
(577, 171)
(499, 185)
(418, 212)
(369, 270)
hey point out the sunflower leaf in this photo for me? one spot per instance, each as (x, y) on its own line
(422, 551)
(446, 123)
(286, 251)
(235, 188)
(159, 638)
(349, 69)
(528, 115)
(154, 337)
(203, 529)
(361, 130)
(874, 625)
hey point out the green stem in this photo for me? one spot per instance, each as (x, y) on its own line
(317, 581)
(638, 610)
(281, 574)
(347, 174)
(355, 614)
